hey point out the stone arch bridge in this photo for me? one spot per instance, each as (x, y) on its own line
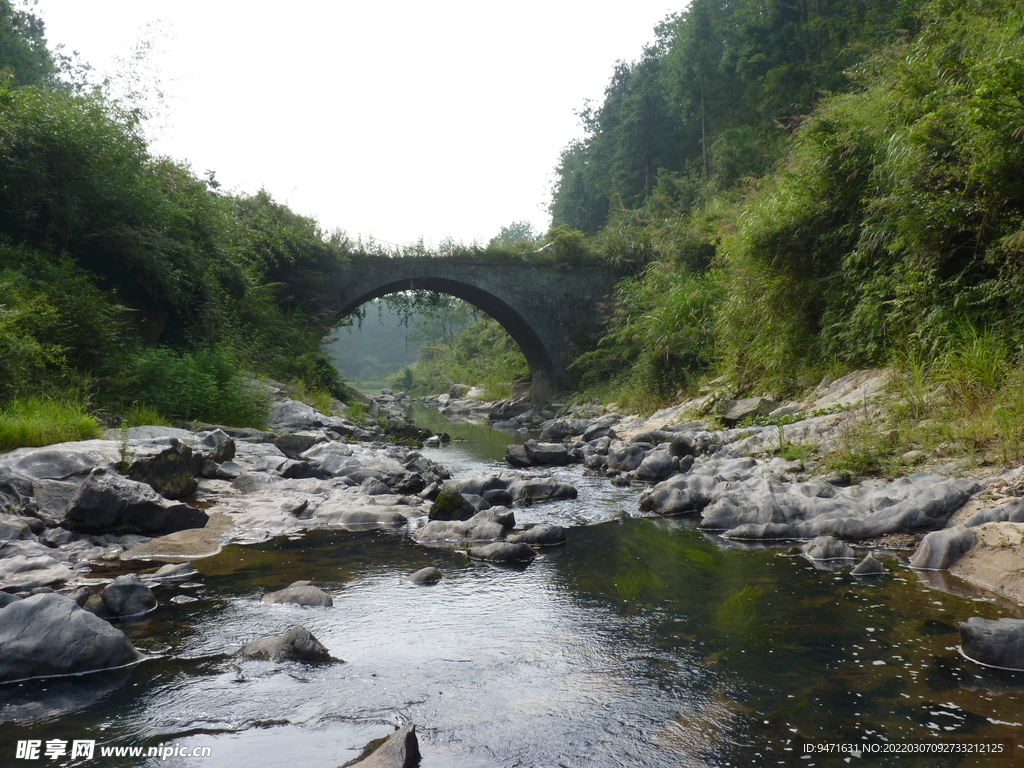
(549, 309)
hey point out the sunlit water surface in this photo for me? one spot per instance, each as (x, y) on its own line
(640, 643)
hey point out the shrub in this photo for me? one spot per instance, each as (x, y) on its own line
(201, 386)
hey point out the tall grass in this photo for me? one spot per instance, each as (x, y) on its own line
(41, 420)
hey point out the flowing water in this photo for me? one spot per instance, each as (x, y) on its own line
(639, 643)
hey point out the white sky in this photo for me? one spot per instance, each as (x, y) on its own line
(395, 120)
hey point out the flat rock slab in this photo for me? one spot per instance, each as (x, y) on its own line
(183, 546)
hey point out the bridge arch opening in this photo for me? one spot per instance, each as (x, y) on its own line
(543, 369)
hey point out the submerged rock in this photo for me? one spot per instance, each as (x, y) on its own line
(127, 596)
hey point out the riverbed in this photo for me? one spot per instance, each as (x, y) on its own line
(641, 642)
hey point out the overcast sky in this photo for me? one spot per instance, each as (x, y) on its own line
(394, 120)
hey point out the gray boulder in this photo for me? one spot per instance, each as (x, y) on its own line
(49, 634)
(994, 643)
(489, 525)
(657, 466)
(532, 489)
(828, 548)
(868, 567)
(540, 536)
(427, 576)
(300, 593)
(400, 750)
(738, 410)
(297, 644)
(502, 552)
(940, 549)
(450, 504)
(517, 456)
(107, 501)
(547, 454)
(33, 570)
(127, 596)
(166, 465)
(1010, 512)
(625, 457)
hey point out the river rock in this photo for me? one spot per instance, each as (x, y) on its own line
(528, 490)
(451, 505)
(827, 548)
(13, 528)
(107, 501)
(625, 457)
(657, 465)
(167, 465)
(766, 507)
(49, 634)
(940, 549)
(517, 456)
(62, 461)
(297, 644)
(300, 593)
(400, 750)
(540, 536)
(1010, 512)
(547, 454)
(127, 596)
(489, 525)
(738, 410)
(427, 576)
(31, 571)
(994, 643)
(868, 567)
(502, 552)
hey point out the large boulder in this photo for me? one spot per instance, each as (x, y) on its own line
(994, 643)
(540, 536)
(109, 502)
(297, 644)
(49, 634)
(300, 593)
(547, 454)
(399, 750)
(168, 466)
(451, 505)
(489, 525)
(941, 549)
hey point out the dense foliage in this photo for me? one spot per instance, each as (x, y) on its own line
(842, 180)
(125, 277)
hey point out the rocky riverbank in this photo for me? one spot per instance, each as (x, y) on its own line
(153, 496)
(950, 518)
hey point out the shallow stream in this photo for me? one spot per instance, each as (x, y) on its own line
(639, 643)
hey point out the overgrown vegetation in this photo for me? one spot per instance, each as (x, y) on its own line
(126, 281)
(849, 197)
